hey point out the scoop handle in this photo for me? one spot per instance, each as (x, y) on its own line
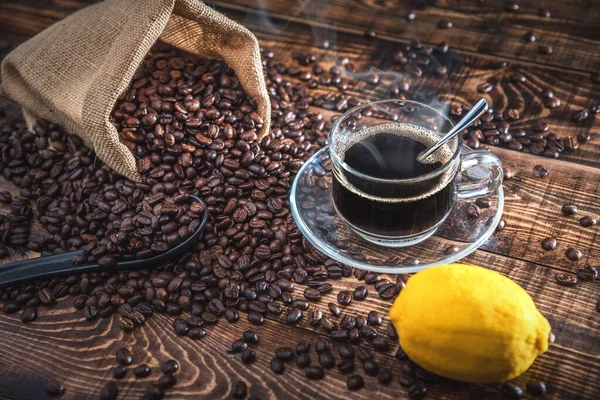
(479, 108)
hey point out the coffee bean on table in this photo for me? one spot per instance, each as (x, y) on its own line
(334, 309)
(360, 293)
(344, 297)
(302, 347)
(124, 356)
(346, 351)
(565, 279)
(303, 360)
(314, 372)
(444, 24)
(417, 391)
(322, 345)
(529, 37)
(285, 353)
(544, 49)
(166, 381)
(355, 382)
(573, 254)
(181, 327)
(508, 173)
(239, 390)
(248, 356)
(327, 360)
(569, 209)
(141, 371)
(511, 391)
(549, 243)
(293, 316)
(109, 391)
(238, 346)
(119, 372)
(539, 171)
(312, 294)
(588, 221)
(170, 367)
(381, 344)
(255, 318)
(153, 391)
(537, 388)
(371, 368)
(277, 366)
(374, 318)
(29, 314)
(587, 273)
(581, 115)
(250, 337)
(385, 377)
(54, 388)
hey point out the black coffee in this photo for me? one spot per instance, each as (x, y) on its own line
(393, 208)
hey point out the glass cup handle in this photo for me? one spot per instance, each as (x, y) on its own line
(481, 174)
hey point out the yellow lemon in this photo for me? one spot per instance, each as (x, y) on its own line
(469, 324)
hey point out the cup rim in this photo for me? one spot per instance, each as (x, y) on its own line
(419, 178)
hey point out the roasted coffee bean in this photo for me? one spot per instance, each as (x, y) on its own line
(293, 316)
(302, 347)
(569, 209)
(11, 307)
(537, 388)
(250, 337)
(370, 367)
(587, 273)
(141, 371)
(285, 353)
(303, 360)
(573, 254)
(544, 49)
(170, 367)
(381, 344)
(374, 318)
(444, 24)
(360, 293)
(312, 294)
(54, 388)
(511, 391)
(248, 356)
(529, 37)
(549, 243)
(119, 372)
(181, 327)
(346, 351)
(588, 221)
(314, 373)
(385, 377)
(240, 389)
(322, 345)
(565, 279)
(29, 314)
(334, 309)
(344, 297)
(277, 366)
(124, 356)
(508, 173)
(109, 391)
(326, 359)
(355, 382)
(166, 381)
(238, 346)
(255, 318)
(539, 171)
(417, 391)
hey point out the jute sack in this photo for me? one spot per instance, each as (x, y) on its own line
(73, 72)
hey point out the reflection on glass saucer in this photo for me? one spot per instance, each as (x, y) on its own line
(313, 210)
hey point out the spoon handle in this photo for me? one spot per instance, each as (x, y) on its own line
(41, 267)
(479, 108)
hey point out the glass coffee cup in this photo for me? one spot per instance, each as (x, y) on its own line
(380, 189)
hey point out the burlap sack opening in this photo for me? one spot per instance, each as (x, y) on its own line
(73, 72)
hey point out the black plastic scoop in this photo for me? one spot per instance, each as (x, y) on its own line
(60, 264)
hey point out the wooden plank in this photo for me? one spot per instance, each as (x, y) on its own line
(486, 30)
(62, 345)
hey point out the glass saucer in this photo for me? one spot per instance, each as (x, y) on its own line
(313, 210)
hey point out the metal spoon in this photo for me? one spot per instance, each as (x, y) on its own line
(60, 264)
(479, 108)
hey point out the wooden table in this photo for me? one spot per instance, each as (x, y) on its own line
(62, 344)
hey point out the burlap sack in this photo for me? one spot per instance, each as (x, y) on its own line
(73, 72)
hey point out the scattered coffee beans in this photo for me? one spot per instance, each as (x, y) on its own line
(549, 243)
(565, 279)
(573, 254)
(54, 388)
(355, 382)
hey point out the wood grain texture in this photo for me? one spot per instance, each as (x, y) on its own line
(63, 345)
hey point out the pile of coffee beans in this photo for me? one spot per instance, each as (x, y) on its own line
(194, 131)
